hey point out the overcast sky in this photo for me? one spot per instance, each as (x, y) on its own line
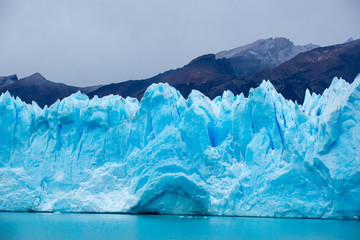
(83, 42)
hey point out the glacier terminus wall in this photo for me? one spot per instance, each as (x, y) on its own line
(232, 156)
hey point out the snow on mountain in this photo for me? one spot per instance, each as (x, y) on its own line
(262, 54)
(234, 156)
(281, 48)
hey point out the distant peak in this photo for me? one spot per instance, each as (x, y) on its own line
(279, 39)
(349, 40)
(37, 75)
(264, 44)
(10, 78)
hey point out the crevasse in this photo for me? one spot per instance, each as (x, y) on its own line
(234, 156)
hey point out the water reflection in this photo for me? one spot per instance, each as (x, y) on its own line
(122, 226)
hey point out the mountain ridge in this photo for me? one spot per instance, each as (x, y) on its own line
(214, 73)
(311, 70)
(262, 54)
(37, 88)
(207, 73)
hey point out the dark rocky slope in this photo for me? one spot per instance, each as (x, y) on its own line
(212, 74)
(313, 70)
(37, 88)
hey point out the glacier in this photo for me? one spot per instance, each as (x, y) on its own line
(260, 155)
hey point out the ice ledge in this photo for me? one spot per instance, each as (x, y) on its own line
(234, 156)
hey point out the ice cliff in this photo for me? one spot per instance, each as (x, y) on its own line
(235, 156)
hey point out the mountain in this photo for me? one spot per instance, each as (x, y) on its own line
(7, 80)
(231, 156)
(37, 88)
(202, 74)
(262, 54)
(292, 69)
(311, 70)
(212, 73)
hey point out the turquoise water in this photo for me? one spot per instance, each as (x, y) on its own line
(117, 226)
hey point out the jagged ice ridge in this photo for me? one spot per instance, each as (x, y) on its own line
(236, 156)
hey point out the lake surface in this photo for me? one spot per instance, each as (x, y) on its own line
(120, 226)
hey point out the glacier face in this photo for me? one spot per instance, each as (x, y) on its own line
(235, 156)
